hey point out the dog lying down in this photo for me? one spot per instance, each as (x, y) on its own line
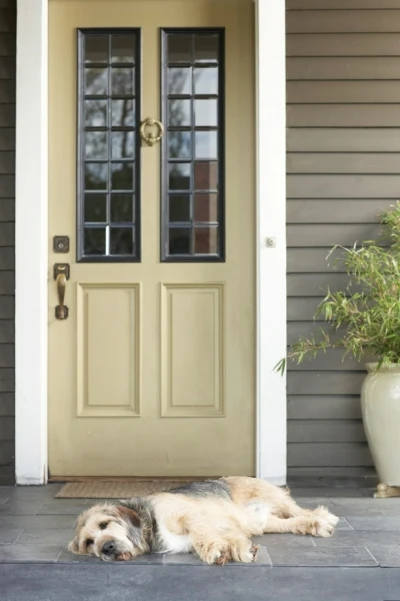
(215, 519)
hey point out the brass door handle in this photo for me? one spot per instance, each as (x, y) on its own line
(149, 137)
(61, 274)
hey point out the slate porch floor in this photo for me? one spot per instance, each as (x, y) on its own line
(361, 561)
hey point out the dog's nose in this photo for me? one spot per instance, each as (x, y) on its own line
(109, 548)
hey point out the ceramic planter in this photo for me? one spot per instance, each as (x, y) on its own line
(380, 405)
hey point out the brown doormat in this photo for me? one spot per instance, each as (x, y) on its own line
(98, 489)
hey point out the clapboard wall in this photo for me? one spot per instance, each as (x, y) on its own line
(343, 166)
(7, 205)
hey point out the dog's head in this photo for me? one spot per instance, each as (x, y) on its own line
(110, 532)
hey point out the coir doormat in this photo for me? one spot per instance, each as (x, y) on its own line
(99, 489)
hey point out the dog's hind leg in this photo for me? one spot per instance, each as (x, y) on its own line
(301, 524)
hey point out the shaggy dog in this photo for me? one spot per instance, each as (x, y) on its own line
(215, 519)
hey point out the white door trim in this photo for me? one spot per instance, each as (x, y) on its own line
(32, 241)
(271, 225)
(31, 244)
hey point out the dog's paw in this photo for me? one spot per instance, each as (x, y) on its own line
(223, 559)
(254, 551)
(321, 526)
(212, 554)
(325, 514)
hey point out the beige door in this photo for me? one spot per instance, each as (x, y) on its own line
(153, 371)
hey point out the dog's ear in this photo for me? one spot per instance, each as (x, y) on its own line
(129, 514)
(73, 546)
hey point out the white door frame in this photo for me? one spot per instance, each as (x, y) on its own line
(32, 270)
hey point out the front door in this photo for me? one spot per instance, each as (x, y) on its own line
(152, 367)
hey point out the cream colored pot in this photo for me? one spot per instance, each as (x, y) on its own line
(380, 405)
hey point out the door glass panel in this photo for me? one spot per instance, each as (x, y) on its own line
(205, 113)
(206, 49)
(95, 241)
(96, 81)
(95, 113)
(108, 161)
(180, 240)
(179, 112)
(122, 241)
(123, 49)
(179, 80)
(179, 176)
(179, 208)
(179, 144)
(95, 208)
(206, 81)
(122, 81)
(123, 113)
(95, 176)
(206, 208)
(180, 49)
(96, 145)
(206, 240)
(192, 148)
(122, 144)
(206, 145)
(122, 208)
(96, 49)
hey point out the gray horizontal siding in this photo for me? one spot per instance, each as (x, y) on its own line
(345, 162)
(340, 21)
(302, 139)
(343, 165)
(7, 235)
(341, 67)
(342, 44)
(341, 4)
(327, 235)
(346, 92)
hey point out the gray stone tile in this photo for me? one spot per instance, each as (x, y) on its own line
(39, 553)
(390, 510)
(33, 493)
(321, 556)
(63, 507)
(182, 559)
(376, 522)
(19, 508)
(385, 555)
(45, 536)
(342, 524)
(328, 492)
(286, 541)
(355, 510)
(6, 491)
(365, 502)
(70, 558)
(313, 502)
(8, 536)
(180, 583)
(35, 521)
(4, 500)
(189, 559)
(360, 538)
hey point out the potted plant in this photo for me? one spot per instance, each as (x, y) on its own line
(364, 321)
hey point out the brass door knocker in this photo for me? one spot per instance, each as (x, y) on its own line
(148, 136)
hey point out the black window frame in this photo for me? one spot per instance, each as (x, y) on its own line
(80, 147)
(164, 257)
